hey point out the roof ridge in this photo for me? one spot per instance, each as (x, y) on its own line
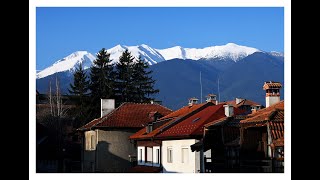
(149, 104)
(86, 124)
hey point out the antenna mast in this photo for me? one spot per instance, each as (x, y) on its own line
(218, 90)
(200, 88)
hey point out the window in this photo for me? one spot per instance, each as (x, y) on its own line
(140, 155)
(157, 156)
(185, 155)
(149, 154)
(169, 154)
(92, 142)
(195, 120)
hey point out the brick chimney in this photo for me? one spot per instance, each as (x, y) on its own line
(193, 101)
(228, 110)
(107, 105)
(272, 92)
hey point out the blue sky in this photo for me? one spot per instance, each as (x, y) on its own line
(61, 30)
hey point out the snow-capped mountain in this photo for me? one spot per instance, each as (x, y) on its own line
(68, 63)
(150, 55)
(153, 56)
(228, 51)
(278, 54)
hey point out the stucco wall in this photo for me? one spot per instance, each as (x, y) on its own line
(111, 152)
(193, 164)
(270, 100)
(88, 153)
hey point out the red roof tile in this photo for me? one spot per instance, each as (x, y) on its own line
(194, 124)
(133, 115)
(264, 114)
(271, 85)
(241, 103)
(278, 142)
(141, 134)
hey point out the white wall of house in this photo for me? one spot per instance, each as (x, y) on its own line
(208, 153)
(183, 159)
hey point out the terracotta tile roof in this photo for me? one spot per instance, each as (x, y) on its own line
(271, 85)
(90, 124)
(141, 134)
(132, 115)
(194, 124)
(144, 169)
(243, 102)
(264, 114)
(216, 122)
(278, 142)
(277, 129)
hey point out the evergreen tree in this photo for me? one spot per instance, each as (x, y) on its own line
(124, 86)
(102, 79)
(79, 89)
(142, 81)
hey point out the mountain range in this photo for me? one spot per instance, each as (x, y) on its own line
(240, 71)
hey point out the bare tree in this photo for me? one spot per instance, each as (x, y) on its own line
(57, 108)
(57, 119)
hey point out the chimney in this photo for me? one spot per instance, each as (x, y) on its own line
(212, 98)
(193, 101)
(272, 92)
(255, 108)
(107, 105)
(228, 110)
(238, 100)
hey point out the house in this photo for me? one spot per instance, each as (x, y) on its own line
(245, 104)
(167, 142)
(106, 145)
(262, 135)
(222, 137)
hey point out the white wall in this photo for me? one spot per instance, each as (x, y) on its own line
(192, 166)
(270, 100)
(207, 153)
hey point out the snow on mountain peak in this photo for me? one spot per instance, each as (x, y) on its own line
(230, 50)
(152, 56)
(68, 63)
(275, 53)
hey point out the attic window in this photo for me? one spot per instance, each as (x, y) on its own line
(195, 120)
(149, 128)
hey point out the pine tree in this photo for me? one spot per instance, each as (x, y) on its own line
(124, 78)
(142, 81)
(102, 79)
(79, 89)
